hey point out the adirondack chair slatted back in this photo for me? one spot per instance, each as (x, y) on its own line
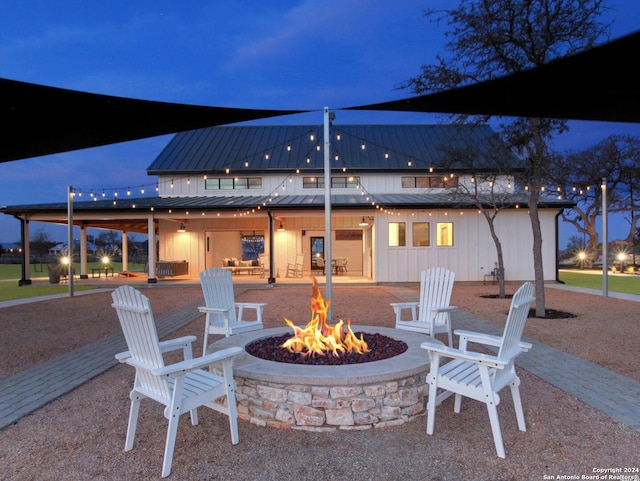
(139, 328)
(436, 286)
(516, 320)
(217, 287)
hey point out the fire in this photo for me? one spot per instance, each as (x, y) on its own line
(318, 337)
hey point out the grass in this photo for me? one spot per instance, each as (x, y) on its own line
(11, 273)
(626, 284)
(10, 290)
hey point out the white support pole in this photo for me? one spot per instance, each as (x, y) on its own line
(327, 211)
(605, 241)
(70, 239)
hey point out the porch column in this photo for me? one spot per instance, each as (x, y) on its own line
(125, 251)
(26, 255)
(151, 248)
(83, 252)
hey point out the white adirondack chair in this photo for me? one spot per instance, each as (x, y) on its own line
(297, 269)
(481, 376)
(182, 387)
(432, 313)
(223, 314)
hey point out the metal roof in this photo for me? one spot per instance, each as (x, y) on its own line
(379, 148)
(237, 203)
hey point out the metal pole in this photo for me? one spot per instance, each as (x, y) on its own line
(70, 240)
(327, 212)
(605, 241)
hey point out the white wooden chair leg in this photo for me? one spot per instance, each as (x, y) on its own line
(231, 401)
(172, 413)
(206, 335)
(431, 403)
(172, 430)
(457, 403)
(492, 400)
(193, 414)
(133, 420)
(495, 428)
(517, 404)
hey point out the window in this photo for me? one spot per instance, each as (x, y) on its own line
(252, 245)
(397, 235)
(232, 183)
(337, 182)
(429, 181)
(444, 234)
(421, 234)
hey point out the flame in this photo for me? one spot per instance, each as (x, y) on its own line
(318, 337)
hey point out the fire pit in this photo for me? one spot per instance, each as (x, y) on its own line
(314, 397)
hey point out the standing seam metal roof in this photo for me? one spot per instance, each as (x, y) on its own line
(409, 147)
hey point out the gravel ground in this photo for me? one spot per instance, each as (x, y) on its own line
(81, 435)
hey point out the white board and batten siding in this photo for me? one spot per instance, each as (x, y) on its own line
(473, 254)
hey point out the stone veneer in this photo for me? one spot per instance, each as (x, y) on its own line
(326, 398)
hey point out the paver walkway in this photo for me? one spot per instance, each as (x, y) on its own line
(605, 390)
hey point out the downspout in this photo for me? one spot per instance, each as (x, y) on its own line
(23, 281)
(271, 279)
(558, 247)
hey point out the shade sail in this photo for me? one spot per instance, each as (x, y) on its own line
(598, 84)
(41, 120)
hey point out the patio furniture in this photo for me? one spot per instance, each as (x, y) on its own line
(431, 314)
(321, 265)
(221, 316)
(181, 387)
(481, 376)
(296, 270)
(341, 265)
(172, 268)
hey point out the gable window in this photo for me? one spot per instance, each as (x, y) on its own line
(444, 234)
(421, 234)
(429, 181)
(397, 234)
(337, 182)
(232, 183)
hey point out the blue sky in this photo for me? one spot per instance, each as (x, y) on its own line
(278, 54)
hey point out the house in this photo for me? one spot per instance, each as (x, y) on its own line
(396, 202)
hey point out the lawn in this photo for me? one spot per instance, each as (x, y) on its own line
(11, 273)
(627, 284)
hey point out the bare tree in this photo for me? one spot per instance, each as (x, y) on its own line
(490, 187)
(493, 38)
(579, 175)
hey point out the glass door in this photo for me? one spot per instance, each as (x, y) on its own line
(317, 251)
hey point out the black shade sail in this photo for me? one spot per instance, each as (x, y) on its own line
(597, 84)
(40, 120)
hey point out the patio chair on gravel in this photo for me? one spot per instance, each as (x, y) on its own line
(182, 387)
(481, 376)
(431, 314)
(221, 316)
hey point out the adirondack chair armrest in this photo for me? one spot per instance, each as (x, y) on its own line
(256, 305)
(198, 363)
(445, 309)
(479, 337)
(398, 307)
(213, 310)
(486, 339)
(165, 346)
(474, 357)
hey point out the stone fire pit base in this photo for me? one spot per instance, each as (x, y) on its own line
(327, 398)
